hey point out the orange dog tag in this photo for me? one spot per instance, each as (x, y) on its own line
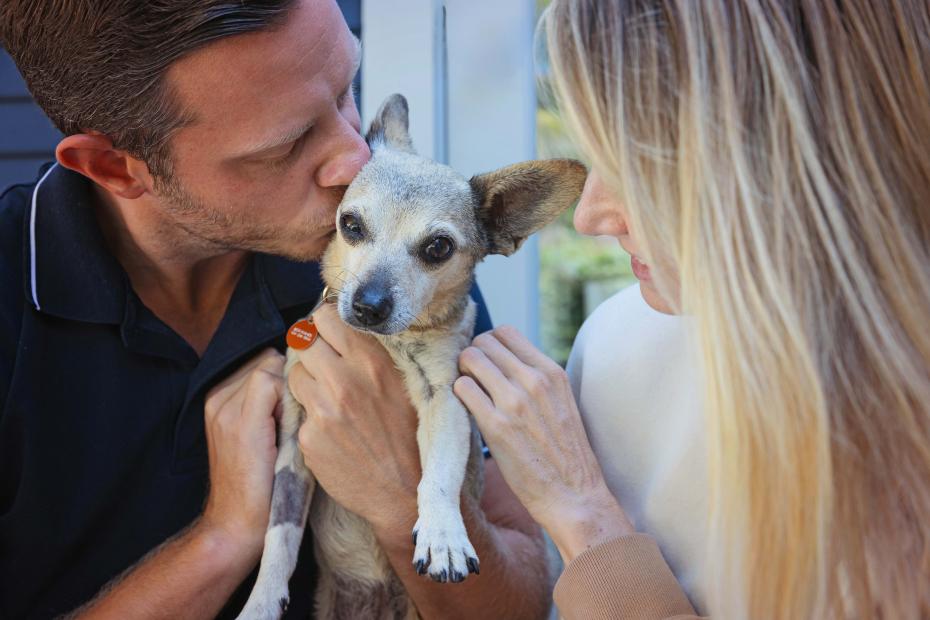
(301, 334)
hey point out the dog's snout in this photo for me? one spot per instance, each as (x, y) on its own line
(372, 304)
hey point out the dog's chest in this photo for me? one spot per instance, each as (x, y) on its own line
(428, 359)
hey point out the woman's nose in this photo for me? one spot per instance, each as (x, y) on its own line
(598, 211)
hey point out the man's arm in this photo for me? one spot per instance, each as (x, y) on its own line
(193, 575)
(190, 576)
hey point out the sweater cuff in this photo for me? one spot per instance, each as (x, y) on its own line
(626, 577)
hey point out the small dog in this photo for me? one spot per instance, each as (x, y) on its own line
(410, 232)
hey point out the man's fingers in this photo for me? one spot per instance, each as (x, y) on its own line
(272, 362)
(263, 392)
(332, 328)
(223, 392)
(319, 357)
(302, 385)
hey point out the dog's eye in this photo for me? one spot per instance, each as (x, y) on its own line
(437, 250)
(351, 228)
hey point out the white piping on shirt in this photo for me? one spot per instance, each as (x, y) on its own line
(32, 236)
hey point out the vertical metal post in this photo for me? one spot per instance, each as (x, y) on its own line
(466, 67)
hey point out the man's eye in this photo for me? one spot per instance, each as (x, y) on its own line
(437, 249)
(351, 228)
(285, 157)
(347, 95)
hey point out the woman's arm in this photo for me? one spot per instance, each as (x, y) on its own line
(524, 406)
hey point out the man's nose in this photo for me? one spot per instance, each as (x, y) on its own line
(349, 155)
(598, 211)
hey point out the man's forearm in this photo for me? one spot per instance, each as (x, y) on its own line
(514, 580)
(190, 576)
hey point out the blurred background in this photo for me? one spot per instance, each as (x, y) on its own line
(576, 273)
(475, 78)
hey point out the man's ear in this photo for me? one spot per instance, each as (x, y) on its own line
(516, 201)
(391, 126)
(93, 156)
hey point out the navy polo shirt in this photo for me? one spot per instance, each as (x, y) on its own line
(102, 447)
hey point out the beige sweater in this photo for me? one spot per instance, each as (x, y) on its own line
(623, 578)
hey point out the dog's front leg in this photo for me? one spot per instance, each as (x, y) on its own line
(290, 502)
(444, 436)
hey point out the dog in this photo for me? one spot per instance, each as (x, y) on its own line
(410, 232)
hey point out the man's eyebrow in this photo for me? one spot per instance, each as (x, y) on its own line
(273, 143)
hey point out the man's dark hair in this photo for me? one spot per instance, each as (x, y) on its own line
(100, 64)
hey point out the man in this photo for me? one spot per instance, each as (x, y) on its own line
(206, 147)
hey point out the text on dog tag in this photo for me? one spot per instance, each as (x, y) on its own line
(301, 334)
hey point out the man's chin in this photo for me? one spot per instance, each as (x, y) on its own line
(301, 250)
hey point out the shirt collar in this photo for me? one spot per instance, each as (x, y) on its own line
(71, 274)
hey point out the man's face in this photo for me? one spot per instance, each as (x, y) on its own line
(275, 136)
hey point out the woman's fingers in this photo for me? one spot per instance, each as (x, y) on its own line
(474, 363)
(508, 363)
(521, 348)
(522, 363)
(474, 398)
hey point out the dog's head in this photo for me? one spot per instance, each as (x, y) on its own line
(410, 230)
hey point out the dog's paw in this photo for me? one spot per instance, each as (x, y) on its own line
(443, 550)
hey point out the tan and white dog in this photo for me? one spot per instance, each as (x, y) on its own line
(410, 232)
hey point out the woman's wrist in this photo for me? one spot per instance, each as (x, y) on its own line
(576, 525)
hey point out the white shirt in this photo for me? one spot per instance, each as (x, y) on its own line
(637, 385)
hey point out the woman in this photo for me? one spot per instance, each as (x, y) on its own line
(768, 164)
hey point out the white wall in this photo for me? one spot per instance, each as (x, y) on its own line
(472, 100)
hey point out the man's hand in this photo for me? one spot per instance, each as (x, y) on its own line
(193, 574)
(239, 416)
(359, 438)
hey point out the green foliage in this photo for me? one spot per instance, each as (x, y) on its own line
(568, 260)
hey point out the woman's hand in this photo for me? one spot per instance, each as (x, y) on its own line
(524, 406)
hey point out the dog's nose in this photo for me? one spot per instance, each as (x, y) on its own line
(371, 305)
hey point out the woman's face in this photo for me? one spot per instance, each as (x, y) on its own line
(600, 213)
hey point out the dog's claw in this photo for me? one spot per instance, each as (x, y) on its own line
(415, 532)
(457, 577)
(421, 567)
(440, 577)
(472, 564)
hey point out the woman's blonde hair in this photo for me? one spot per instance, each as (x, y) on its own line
(775, 156)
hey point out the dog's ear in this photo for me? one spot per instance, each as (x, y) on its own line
(391, 126)
(516, 201)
